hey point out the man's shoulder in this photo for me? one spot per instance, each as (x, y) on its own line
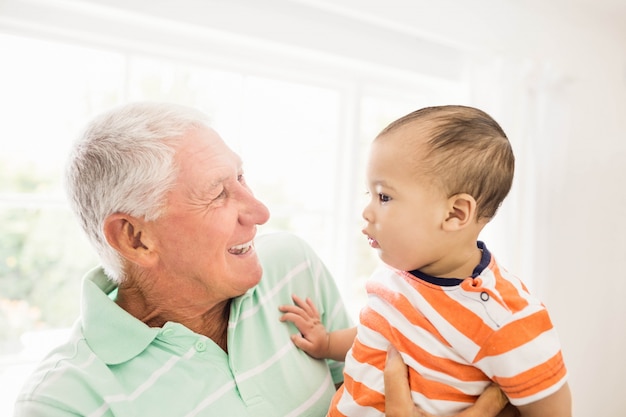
(69, 359)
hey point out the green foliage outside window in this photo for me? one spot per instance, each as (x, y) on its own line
(42, 258)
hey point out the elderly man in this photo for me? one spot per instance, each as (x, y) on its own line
(182, 317)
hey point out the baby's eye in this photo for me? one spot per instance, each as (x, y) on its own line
(383, 198)
(241, 178)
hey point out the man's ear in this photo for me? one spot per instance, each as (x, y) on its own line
(128, 236)
(461, 211)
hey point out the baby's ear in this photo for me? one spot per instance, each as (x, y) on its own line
(128, 236)
(461, 212)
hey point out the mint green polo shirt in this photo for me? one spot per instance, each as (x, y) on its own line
(115, 365)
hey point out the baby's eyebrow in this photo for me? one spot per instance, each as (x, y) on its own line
(383, 183)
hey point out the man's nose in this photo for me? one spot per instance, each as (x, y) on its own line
(253, 210)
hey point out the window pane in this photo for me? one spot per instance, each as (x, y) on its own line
(218, 93)
(48, 89)
(289, 145)
(43, 255)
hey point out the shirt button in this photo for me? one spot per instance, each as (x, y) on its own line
(484, 296)
(200, 346)
(167, 332)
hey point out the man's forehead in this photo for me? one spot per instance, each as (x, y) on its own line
(205, 161)
(206, 146)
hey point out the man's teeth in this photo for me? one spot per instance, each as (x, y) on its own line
(240, 249)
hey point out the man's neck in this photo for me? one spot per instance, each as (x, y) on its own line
(210, 319)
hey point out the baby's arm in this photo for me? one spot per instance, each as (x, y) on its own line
(558, 404)
(313, 337)
(398, 402)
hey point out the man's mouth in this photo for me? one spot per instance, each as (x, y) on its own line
(241, 249)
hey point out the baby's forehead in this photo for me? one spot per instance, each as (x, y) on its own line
(412, 136)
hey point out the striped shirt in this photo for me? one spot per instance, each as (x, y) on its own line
(456, 336)
(115, 365)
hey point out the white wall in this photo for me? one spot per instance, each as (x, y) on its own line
(553, 72)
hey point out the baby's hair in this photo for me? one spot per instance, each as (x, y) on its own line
(468, 152)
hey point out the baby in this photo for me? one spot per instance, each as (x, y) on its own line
(460, 320)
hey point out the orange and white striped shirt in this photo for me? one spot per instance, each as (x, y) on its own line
(456, 336)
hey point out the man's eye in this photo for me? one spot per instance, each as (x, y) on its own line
(222, 194)
(383, 198)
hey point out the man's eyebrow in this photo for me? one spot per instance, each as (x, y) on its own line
(239, 163)
(208, 189)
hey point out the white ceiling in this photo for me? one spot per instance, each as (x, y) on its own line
(613, 9)
(609, 12)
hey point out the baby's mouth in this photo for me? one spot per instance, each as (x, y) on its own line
(373, 242)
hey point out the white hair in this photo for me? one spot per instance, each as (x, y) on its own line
(124, 163)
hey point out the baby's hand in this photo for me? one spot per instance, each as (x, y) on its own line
(313, 337)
